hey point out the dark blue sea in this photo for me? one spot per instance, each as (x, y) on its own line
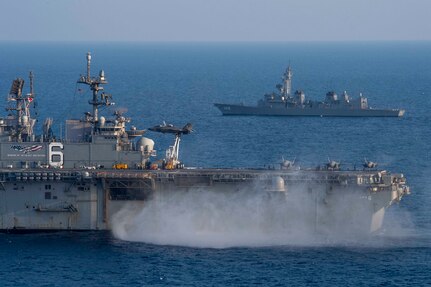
(178, 83)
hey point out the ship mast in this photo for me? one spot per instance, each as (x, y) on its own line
(22, 121)
(15, 95)
(287, 82)
(95, 86)
(31, 84)
(30, 96)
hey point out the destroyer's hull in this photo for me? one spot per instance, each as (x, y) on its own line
(47, 200)
(242, 110)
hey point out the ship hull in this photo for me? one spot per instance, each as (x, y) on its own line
(242, 110)
(88, 200)
(100, 170)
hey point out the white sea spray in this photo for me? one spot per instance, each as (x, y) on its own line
(247, 217)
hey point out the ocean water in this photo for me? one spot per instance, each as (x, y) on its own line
(178, 83)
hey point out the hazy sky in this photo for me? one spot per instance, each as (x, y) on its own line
(214, 20)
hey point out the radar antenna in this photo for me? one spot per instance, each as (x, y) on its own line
(95, 84)
(22, 122)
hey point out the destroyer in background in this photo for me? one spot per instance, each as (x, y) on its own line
(101, 167)
(283, 103)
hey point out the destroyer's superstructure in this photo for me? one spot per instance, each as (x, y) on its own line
(101, 166)
(284, 103)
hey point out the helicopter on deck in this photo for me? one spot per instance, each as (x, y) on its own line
(287, 164)
(333, 165)
(369, 164)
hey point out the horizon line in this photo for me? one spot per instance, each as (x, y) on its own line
(213, 41)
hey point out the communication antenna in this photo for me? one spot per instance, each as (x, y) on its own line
(31, 84)
(95, 84)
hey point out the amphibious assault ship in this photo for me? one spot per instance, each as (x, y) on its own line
(284, 103)
(100, 167)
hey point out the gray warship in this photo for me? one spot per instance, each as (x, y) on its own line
(284, 103)
(100, 167)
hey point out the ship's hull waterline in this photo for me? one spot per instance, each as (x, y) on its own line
(242, 110)
(87, 200)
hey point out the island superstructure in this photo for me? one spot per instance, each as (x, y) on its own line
(285, 103)
(102, 166)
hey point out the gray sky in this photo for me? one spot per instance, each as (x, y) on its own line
(214, 20)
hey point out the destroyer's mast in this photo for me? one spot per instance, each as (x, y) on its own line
(287, 83)
(95, 86)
